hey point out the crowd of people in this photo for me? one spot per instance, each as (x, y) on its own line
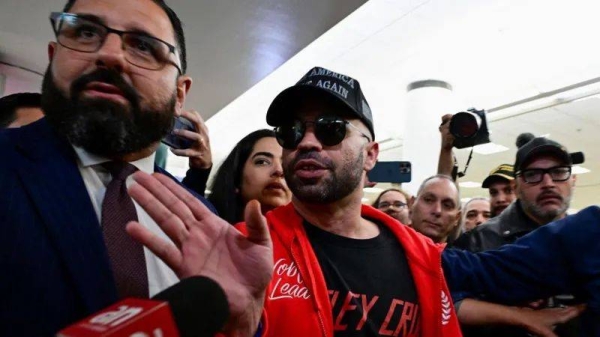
(88, 215)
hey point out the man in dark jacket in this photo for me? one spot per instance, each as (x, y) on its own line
(544, 186)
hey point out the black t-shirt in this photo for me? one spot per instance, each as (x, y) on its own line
(371, 288)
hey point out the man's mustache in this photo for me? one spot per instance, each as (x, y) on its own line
(547, 194)
(107, 76)
(327, 163)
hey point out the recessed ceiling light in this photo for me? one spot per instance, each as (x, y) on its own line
(489, 148)
(572, 211)
(577, 169)
(469, 184)
(372, 190)
(364, 200)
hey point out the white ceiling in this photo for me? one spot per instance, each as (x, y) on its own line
(493, 53)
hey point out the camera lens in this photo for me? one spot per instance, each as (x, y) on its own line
(464, 124)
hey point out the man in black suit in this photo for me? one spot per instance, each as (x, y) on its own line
(115, 81)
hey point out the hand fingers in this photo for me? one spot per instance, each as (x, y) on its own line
(540, 329)
(187, 153)
(191, 135)
(195, 117)
(256, 223)
(166, 251)
(569, 313)
(198, 210)
(167, 210)
(580, 307)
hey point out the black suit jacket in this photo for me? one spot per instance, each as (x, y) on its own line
(54, 265)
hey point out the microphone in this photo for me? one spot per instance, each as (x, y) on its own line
(194, 307)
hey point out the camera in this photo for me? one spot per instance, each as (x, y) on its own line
(469, 128)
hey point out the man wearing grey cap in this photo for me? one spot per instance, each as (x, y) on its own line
(544, 186)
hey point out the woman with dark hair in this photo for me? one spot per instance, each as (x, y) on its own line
(251, 171)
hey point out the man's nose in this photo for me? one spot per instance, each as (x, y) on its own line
(309, 141)
(547, 180)
(111, 54)
(436, 208)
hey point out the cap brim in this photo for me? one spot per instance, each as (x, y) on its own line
(279, 111)
(494, 177)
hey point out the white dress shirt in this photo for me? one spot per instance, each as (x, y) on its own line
(96, 178)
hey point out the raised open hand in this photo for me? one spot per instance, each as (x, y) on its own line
(204, 244)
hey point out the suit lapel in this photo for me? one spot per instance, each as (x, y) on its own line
(49, 172)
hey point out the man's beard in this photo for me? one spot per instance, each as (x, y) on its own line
(546, 215)
(103, 127)
(327, 189)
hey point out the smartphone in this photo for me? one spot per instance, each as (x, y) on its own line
(175, 141)
(391, 172)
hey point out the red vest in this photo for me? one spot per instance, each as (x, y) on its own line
(297, 300)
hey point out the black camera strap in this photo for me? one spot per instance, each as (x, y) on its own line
(464, 172)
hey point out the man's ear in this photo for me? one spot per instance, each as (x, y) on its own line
(574, 180)
(184, 83)
(372, 150)
(458, 218)
(51, 50)
(410, 203)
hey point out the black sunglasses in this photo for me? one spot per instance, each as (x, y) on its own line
(329, 130)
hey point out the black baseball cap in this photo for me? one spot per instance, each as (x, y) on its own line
(503, 172)
(318, 81)
(541, 145)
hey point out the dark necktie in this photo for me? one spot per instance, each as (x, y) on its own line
(126, 255)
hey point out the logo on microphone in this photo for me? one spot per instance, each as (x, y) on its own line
(155, 333)
(116, 317)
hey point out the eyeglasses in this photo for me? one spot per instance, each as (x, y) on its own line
(396, 204)
(85, 35)
(535, 175)
(329, 130)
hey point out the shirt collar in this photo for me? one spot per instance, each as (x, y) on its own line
(87, 159)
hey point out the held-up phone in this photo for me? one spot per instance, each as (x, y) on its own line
(391, 172)
(175, 141)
